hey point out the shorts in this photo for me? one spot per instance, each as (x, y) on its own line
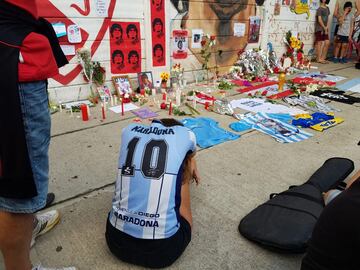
(37, 123)
(320, 36)
(342, 39)
(149, 253)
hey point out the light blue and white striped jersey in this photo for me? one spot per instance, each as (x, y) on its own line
(281, 131)
(148, 187)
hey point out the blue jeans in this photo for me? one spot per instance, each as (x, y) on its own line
(37, 125)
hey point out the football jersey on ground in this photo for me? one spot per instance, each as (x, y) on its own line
(147, 192)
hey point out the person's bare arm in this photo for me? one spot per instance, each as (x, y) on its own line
(351, 29)
(321, 22)
(357, 6)
(194, 170)
(336, 11)
(354, 178)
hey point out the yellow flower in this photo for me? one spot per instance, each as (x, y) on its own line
(164, 76)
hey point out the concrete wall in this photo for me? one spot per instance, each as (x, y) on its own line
(214, 20)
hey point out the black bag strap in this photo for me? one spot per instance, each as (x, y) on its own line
(304, 196)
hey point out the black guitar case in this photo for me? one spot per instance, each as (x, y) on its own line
(286, 221)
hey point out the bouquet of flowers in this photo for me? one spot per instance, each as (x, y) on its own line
(294, 49)
(93, 71)
(177, 71)
(164, 76)
(207, 44)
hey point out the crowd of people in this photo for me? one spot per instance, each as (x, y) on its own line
(347, 31)
(150, 221)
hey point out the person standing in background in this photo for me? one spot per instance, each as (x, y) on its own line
(344, 34)
(339, 13)
(322, 32)
(29, 53)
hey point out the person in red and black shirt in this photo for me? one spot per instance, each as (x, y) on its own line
(29, 53)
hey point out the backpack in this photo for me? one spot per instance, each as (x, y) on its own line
(286, 221)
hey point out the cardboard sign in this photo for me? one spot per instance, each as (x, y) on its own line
(74, 33)
(180, 44)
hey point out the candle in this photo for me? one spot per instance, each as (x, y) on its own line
(122, 107)
(60, 106)
(84, 112)
(88, 110)
(103, 108)
(164, 96)
(206, 105)
(111, 101)
(170, 107)
(178, 98)
(153, 92)
(115, 100)
(194, 102)
(71, 112)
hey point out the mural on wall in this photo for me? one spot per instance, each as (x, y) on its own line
(125, 47)
(158, 32)
(49, 10)
(300, 7)
(217, 18)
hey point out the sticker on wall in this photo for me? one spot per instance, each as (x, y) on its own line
(59, 28)
(74, 34)
(315, 4)
(125, 47)
(277, 8)
(300, 7)
(254, 29)
(101, 8)
(196, 37)
(180, 44)
(158, 32)
(68, 49)
(239, 29)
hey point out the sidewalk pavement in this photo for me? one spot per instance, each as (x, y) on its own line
(236, 176)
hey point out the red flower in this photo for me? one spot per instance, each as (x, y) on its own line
(212, 37)
(203, 42)
(163, 106)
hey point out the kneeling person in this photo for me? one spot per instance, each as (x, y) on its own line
(150, 220)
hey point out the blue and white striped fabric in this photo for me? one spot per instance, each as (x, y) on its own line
(148, 187)
(281, 131)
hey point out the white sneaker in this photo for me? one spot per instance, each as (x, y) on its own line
(45, 222)
(39, 267)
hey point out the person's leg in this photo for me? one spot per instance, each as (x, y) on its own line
(354, 178)
(15, 236)
(336, 51)
(318, 47)
(344, 48)
(325, 50)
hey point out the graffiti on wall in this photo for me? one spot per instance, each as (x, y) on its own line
(49, 10)
(217, 18)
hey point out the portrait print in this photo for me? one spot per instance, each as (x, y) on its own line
(122, 85)
(158, 27)
(145, 79)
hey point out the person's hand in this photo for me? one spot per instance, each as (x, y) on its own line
(195, 172)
